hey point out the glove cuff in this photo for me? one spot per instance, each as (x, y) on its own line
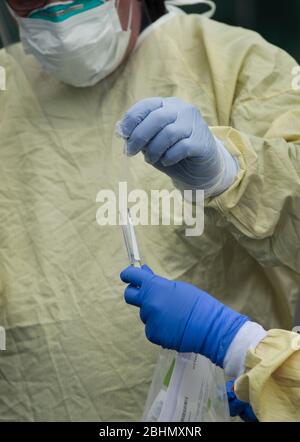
(229, 168)
(221, 170)
(249, 335)
(234, 323)
(211, 328)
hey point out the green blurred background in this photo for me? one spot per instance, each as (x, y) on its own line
(277, 21)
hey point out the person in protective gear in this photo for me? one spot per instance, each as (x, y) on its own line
(181, 317)
(60, 296)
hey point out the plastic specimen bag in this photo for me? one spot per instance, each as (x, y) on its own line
(186, 388)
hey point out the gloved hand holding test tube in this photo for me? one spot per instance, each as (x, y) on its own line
(185, 387)
(182, 381)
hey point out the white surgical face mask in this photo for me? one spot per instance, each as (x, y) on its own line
(80, 43)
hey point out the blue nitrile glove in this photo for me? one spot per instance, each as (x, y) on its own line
(180, 316)
(237, 407)
(176, 140)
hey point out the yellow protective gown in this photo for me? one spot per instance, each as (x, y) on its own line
(271, 382)
(75, 350)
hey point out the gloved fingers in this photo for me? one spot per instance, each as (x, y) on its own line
(164, 140)
(138, 112)
(149, 128)
(135, 276)
(131, 295)
(176, 153)
(147, 302)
